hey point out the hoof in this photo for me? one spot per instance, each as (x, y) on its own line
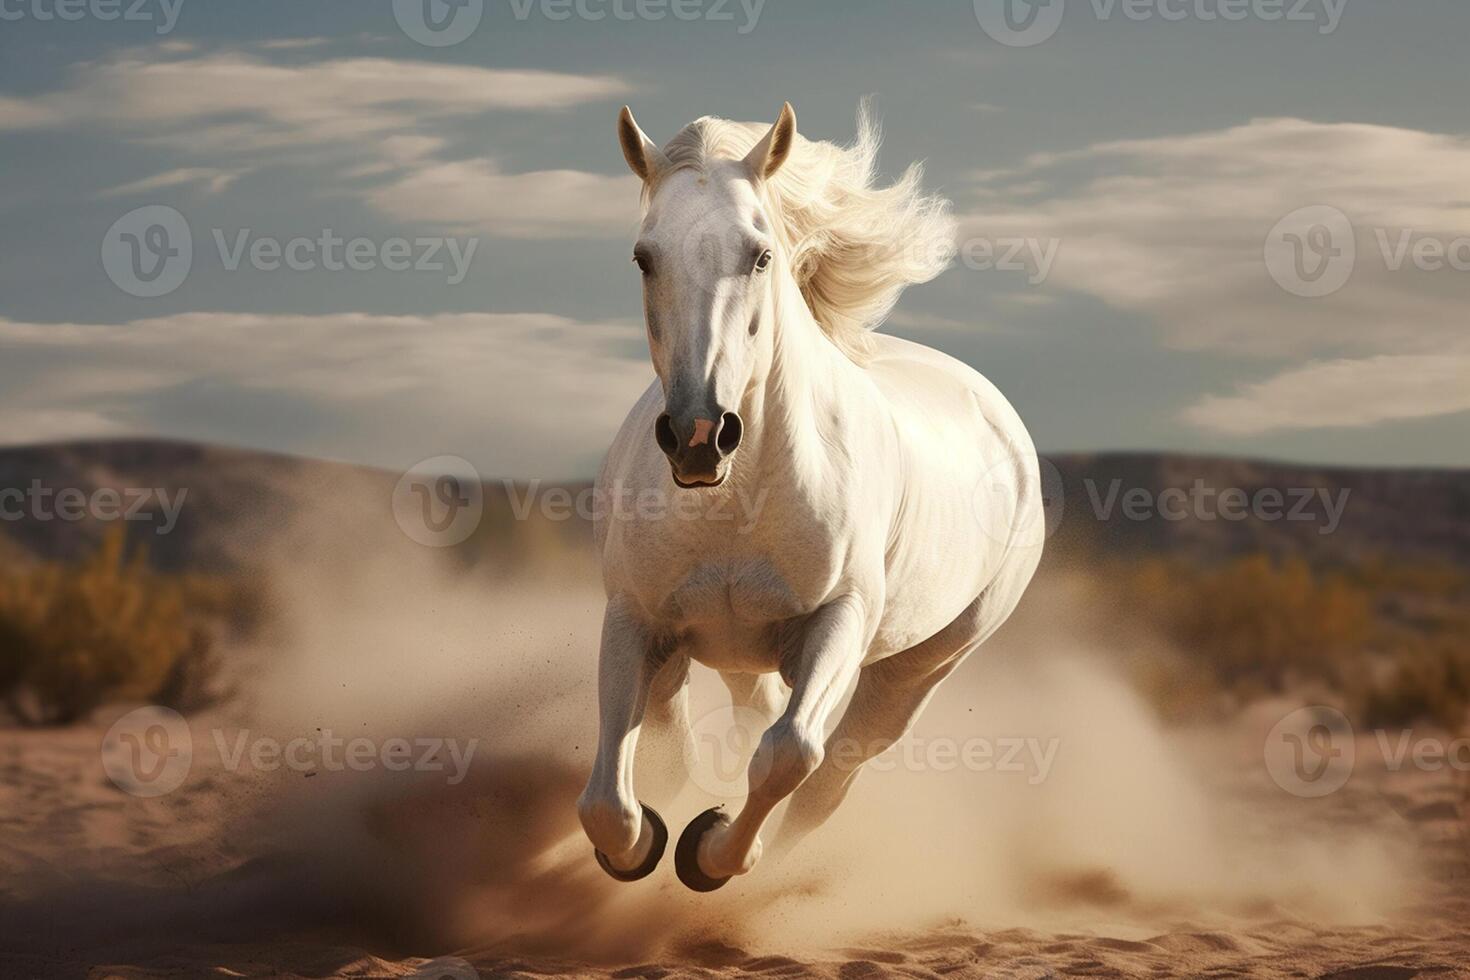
(686, 852)
(655, 853)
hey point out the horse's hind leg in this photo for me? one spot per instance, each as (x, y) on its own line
(885, 704)
(760, 692)
(664, 740)
(889, 696)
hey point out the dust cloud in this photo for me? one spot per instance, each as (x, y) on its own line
(1037, 790)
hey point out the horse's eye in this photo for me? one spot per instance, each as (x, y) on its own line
(641, 261)
(763, 261)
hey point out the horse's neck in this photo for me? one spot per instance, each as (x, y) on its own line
(799, 397)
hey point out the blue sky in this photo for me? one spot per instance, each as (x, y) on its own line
(1153, 150)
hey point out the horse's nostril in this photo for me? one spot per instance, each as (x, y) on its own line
(728, 438)
(663, 434)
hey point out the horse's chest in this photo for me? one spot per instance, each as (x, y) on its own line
(729, 611)
(750, 591)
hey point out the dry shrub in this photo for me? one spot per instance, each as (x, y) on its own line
(1429, 681)
(1254, 622)
(1393, 637)
(76, 635)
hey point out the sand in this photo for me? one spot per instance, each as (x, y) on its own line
(341, 874)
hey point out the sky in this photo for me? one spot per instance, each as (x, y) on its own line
(340, 229)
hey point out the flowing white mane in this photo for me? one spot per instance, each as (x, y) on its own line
(852, 246)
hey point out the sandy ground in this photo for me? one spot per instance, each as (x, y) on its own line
(210, 881)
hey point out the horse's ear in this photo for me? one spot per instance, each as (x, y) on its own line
(644, 157)
(773, 149)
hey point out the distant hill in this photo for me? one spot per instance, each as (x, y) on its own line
(1114, 503)
(1327, 515)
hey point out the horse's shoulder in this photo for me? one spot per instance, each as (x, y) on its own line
(907, 371)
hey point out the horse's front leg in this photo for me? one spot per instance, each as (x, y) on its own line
(629, 837)
(713, 848)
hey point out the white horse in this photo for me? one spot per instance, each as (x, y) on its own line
(899, 503)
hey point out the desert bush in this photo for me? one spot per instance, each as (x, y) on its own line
(1394, 638)
(1253, 622)
(75, 635)
(1428, 681)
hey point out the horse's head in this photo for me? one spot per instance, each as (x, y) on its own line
(708, 254)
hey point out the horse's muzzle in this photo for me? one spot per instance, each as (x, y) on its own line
(699, 448)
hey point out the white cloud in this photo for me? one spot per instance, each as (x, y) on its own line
(61, 424)
(367, 116)
(475, 195)
(1342, 393)
(316, 102)
(213, 179)
(293, 43)
(522, 394)
(1174, 229)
